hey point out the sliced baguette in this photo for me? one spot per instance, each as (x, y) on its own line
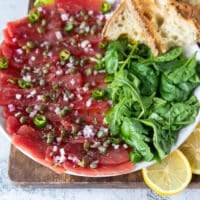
(161, 24)
(126, 20)
(168, 27)
(195, 5)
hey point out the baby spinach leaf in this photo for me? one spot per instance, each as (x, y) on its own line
(134, 134)
(168, 56)
(148, 77)
(172, 92)
(162, 140)
(126, 86)
(184, 72)
(111, 61)
(115, 116)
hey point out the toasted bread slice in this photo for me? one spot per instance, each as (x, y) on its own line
(195, 7)
(126, 20)
(168, 27)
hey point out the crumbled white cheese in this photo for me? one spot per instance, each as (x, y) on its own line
(76, 113)
(84, 44)
(69, 65)
(62, 151)
(14, 40)
(59, 159)
(55, 148)
(36, 70)
(103, 129)
(72, 82)
(50, 54)
(33, 113)
(18, 96)
(115, 146)
(11, 107)
(39, 97)
(90, 12)
(36, 107)
(33, 58)
(37, 51)
(65, 97)
(95, 144)
(31, 94)
(88, 131)
(71, 96)
(100, 17)
(59, 72)
(85, 89)
(125, 146)
(64, 17)
(58, 35)
(27, 78)
(58, 139)
(19, 51)
(57, 110)
(74, 159)
(40, 9)
(89, 102)
(79, 97)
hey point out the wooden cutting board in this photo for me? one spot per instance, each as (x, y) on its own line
(25, 172)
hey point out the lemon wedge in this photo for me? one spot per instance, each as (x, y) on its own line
(169, 177)
(191, 149)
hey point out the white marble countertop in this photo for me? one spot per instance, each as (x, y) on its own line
(10, 10)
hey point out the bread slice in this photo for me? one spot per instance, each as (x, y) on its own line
(161, 24)
(195, 6)
(168, 27)
(126, 20)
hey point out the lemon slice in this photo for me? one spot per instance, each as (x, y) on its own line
(169, 177)
(191, 149)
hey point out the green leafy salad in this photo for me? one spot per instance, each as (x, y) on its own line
(152, 97)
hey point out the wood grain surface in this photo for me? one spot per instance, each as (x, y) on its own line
(25, 172)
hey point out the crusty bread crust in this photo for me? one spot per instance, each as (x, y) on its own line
(195, 8)
(161, 24)
(126, 20)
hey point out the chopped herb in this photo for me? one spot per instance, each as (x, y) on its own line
(107, 143)
(55, 86)
(69, 27)
(25, 84)
(135, 157)
(64, 133)
(4, 62)
(23, 119)
(64, 111)
(84, 162)
(40, 30)
(74, 129)
(88, 71)
(40, 121)
(79, 121)
(102, 149)
(98, 94)
(93, 165)
(115, 140)
(64, 55)
(101, 134)
(29, 109)
(50, 138)
(86, 145)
